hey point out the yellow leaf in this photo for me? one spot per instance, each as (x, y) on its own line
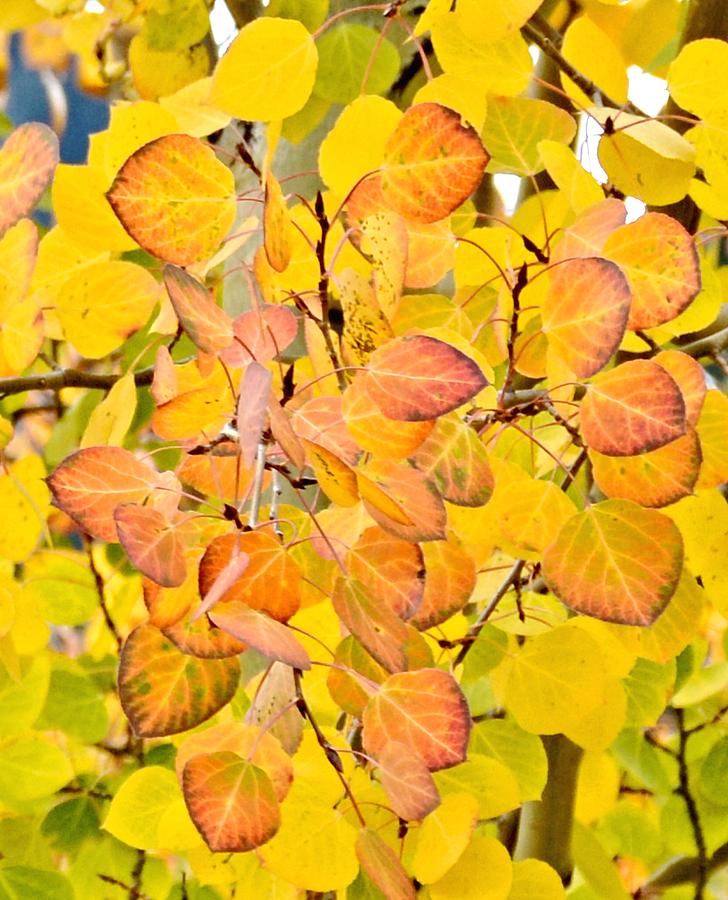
(581, 188)
(18, 248)
(194, 113)
(488, 780)
(692, 77)
(599, 727)
(533, 878)
(137, 812)
(25, 502)
(496, 19)
(593, 53)
(597, 787)
(483, 872)
(158, 73)
(443, 836)
(102, 304)
(268, 72)
(465, 97)
(712, 430)
(112, 418)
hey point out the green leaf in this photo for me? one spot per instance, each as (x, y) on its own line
(21, 701)
(74, 705)
(646, 686)
(521, 752)
(352, 61)
(20, 882)
(67, 825)
(63, 586)
(30, 768)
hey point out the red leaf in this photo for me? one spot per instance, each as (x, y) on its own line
(632, 409)
(231, 802)
(419, 377)
(28, 159)
(261, 334)
(89, 484)
(426, 711)
(208, 326)
(389, 569)
(384, 869)
(432, 163)
(410, 787)
(320, 421)
(585, 313)
(151, 543)
(262, 633)
(163, 691)
(252, 407)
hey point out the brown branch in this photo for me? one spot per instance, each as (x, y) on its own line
(691, 806)
(63, 378)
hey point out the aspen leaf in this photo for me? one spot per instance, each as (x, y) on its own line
(419, 377)
(102, 304)
(504, 17)
(449, 581)
(383, 867)
(653, 479)
(591, 51)
(320, 421)
(271, 582)
(163, 691)
(261, 334)
(251, 410)
(90, 483)
(582, 189)
(514, 128)
(28, 159)
(151, 543)
(631, 409)
(490, 781)
(455, 817)
(690, 378)
(18, 251)
(354, 59)
(175, 198)
(191, 108)
(336, 479)
(616, 561)
(428, 713)
(365, 325)
(389, 569)
(432, 162)
(464, 880)
(277, 227)
(375, 625)
(112, 418)
(157, 73)
(530, 514)
(454, 457)
(345, 686)
(208, 326)
(465, 97)
(401, 500)
(409, 785)
(691, 77)
(268, 71)
(231, 801)
(24, 500)
(592, 227)
(374, 432)
(585, 313)
(259, 631)
(523, 753)
(164, 385)
(659, 258)
(534, 878)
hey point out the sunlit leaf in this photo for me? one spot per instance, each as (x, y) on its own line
(277, 227)
(463, 880)
(152, 543)
(407, 780)
(259, 631)
(419, 377)
(91, 483)
(631, 409)
(261, 334)
(428, 713)
(208, 326)
(375, 625)
(586, 237)
(402, 500)
(270, 583)
(659, 258)
(383, 867)
(656, 478)
(164, 691)
(365, 325)
(268, 71)
(690, 378)
(691, 77)
(389, 569)
(455, 817)
(348, 690)
(449, 581)
(585, 313)
(432, 162)
(336, 479)
(712, 431)
(530, 513)
(27, 161)
(175, 199)
(616, 561)
(231, 801)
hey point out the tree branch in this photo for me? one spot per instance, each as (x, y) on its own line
(63, 378)
(692, 809)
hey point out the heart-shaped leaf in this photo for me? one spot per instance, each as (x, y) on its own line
(151, 543)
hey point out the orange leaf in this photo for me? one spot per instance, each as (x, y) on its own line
(592, 227)
(272, 581)
(164, 386)
(199, 637)
(427, 712)
(657, 478)
(89, 484)
(378, 629)
(382, 866)
(402, 500)
(261, 334)
(690, 378)
(27, 161)
(616, 561)
(346, 689)
(277, 227)
(432, 162)
(585, 313)
(410, 787)
(224, 580)
(418, 377)
(207, 325)
(231, 802)
(455, 459)
(389, 569)
(320, 421)
(252, 408)
(659, 258)
(151, 543)
(374, 432)
(283, 433)
(450, 578)
(164, 691)
(631, 409)
(175, 198)
(259, 631)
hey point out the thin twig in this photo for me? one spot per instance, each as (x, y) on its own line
(691, 806)
(136, 874)
(99, 581)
